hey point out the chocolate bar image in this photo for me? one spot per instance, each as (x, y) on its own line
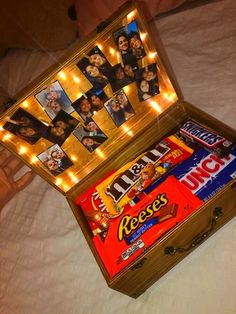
(191, 131)
(167, 212)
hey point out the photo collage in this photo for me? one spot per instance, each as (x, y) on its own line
(57, 105)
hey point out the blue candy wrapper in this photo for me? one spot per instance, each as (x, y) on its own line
(204, 173)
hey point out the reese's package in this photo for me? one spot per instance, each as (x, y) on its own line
(140, 226)
(129, 181)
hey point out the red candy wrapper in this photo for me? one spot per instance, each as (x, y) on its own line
(94, 209)
(120, 188)
(138, 227)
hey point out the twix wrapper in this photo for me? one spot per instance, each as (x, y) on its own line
(125, 184)
(191, 131)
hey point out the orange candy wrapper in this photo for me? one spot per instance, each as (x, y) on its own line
(138, 227)
(121, 187)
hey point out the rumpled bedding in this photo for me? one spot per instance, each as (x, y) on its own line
(45, 263)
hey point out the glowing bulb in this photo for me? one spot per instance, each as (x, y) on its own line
(99, 46)
(1, 128)
(25, 104)
(65, 187)
(170, 97)
(73, 157)
(112, 51)
(73, 177)
(130, 16)
(143, 36)
(79, 95)
(34, 159)
(126, 89)
(155, 106)
(62, 75)
(152, 55)
(100, 153)
(127, 130)
(7, 137)
(76, 79)
(58, 181)
(22, 150)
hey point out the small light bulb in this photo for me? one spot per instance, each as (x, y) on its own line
(25, 104)
(112, 51)
(155, 106)
(58, 181)
(143, 36)
(126, 88)
(152, 55)
(34, 159)
(127, 130)
(73, 157)
(65, 187)
(22, 150)
(76, 79)
(130, 16)
(73, 177)
(100, 153)
(7, 137)
(99, 46)
(62, 75)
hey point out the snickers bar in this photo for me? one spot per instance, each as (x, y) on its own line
(193, 132)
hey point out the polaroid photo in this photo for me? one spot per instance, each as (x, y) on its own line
(97, 99)
(53, 99)
(129, 44)
(96, 68)
(147, 82)
(55, 160)
(119, 108)
(120, 79)
(25, 126)
(90, 135)
(83, 106)
(60, 128)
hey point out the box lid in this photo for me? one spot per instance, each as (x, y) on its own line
(126, 92)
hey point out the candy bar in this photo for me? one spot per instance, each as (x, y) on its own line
(94, 209)
(129, 181)
(168, 212)
(191, 131)
(139, 227)
(204, 173)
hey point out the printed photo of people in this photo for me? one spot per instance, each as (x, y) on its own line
(90, 135)
(147, 82)
(60, 128)
(96, 68)
(130, 44)
(97, 99)
(120, 78)
(53, 99)
(83, 107)
(119, 108)
(55, 160)
(25, 126)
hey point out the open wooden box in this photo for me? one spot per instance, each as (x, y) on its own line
(154, 118)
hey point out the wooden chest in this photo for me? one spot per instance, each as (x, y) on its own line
(151, 120)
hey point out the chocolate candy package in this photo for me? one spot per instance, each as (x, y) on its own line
(196, 135)
(94, 209)
(204, 173)
(129, 181)
(138, 227)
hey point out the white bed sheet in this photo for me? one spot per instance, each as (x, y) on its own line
(45, 263)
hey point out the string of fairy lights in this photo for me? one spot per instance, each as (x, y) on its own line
(25, 150)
